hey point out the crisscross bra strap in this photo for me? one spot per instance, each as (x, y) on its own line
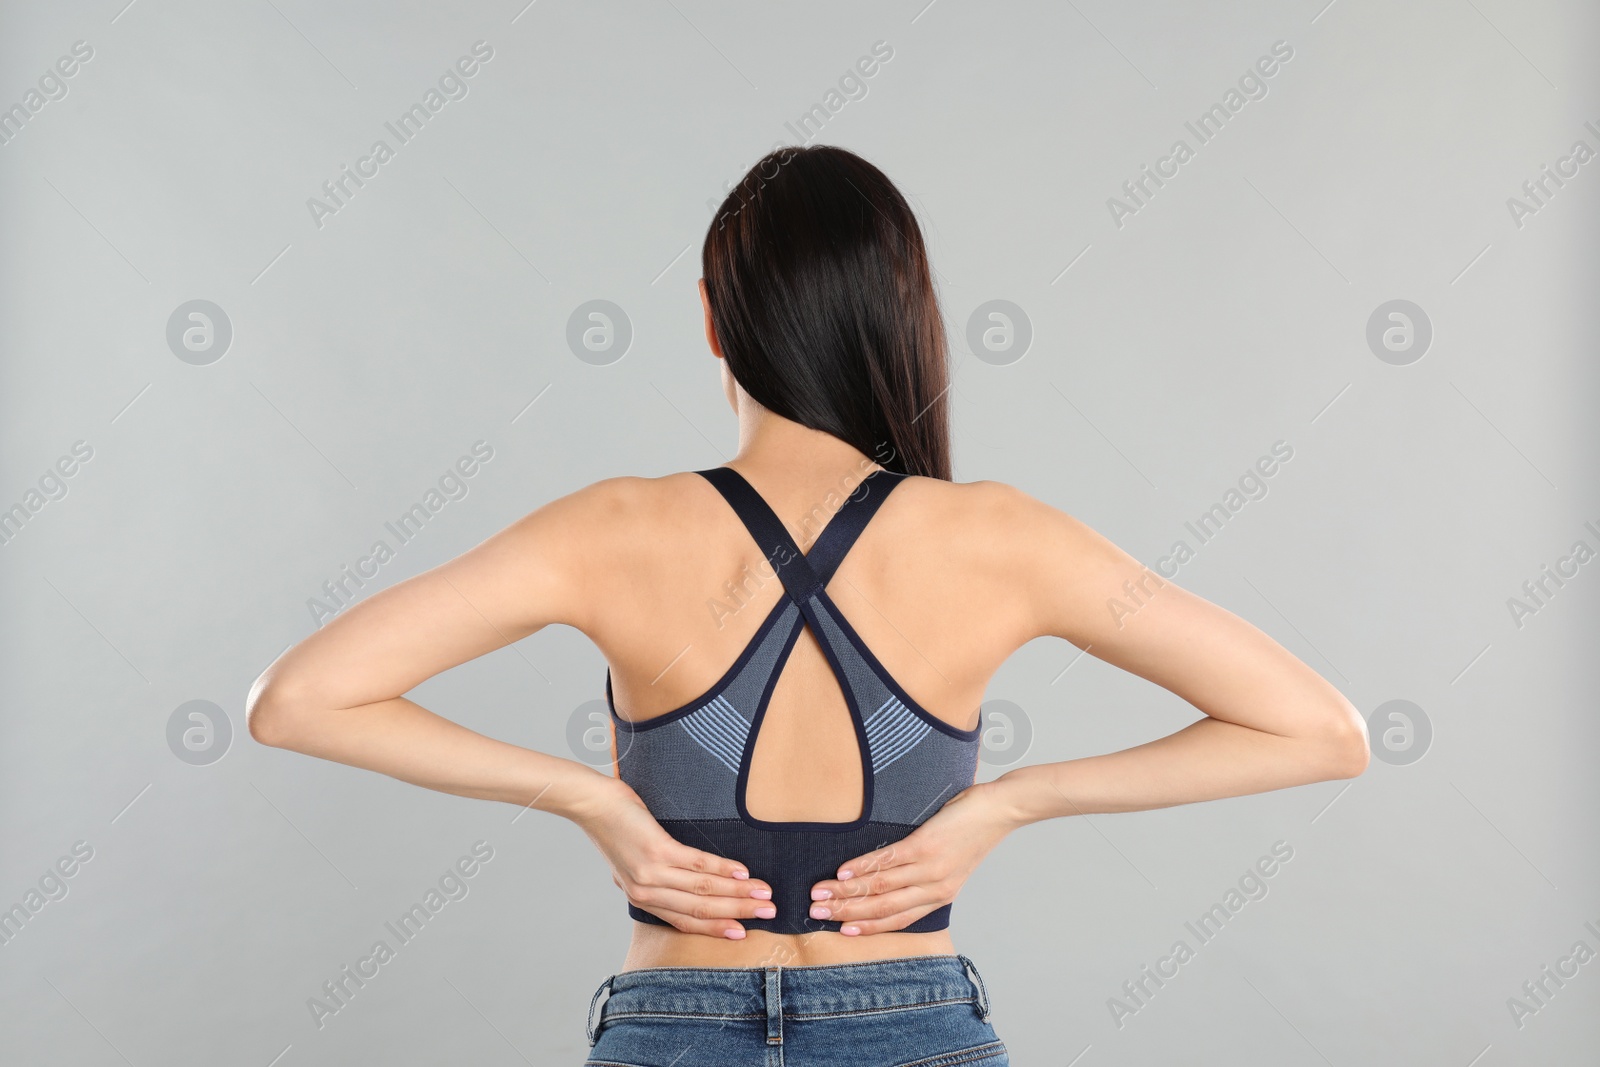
(846, 525)
(802, 576)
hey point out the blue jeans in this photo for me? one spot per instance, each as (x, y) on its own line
(912, 1011)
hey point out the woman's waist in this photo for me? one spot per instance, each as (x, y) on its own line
(892, 973)
(667, 947)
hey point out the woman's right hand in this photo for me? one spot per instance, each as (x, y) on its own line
(696, 892)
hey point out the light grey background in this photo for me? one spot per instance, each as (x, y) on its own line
(1168, 354)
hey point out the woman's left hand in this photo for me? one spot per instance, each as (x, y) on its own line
(894, 886)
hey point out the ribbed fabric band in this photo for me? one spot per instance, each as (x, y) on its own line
(791, 862)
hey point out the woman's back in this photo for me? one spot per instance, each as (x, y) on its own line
(925, 585)
(686, 595)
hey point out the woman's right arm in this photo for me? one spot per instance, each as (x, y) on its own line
(1270, 721)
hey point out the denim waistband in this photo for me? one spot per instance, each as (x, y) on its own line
(776, 992)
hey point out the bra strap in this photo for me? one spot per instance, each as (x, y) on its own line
(839, 536)
(782, 553)
(804, 575)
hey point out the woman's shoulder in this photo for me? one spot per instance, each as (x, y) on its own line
(984, 513)
(1003, 529)
(625, 495)
(965, 495)
(603, 519)
(981, 504)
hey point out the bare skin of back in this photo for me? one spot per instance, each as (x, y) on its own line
(926, 588)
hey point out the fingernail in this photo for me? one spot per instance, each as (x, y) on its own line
(819, 912)
(736, 933)
(761, 894)
(847, 873)
(821, 894)
(741, 874)
(766, 913)
(850, 931)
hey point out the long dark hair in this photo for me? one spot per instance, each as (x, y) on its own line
(824, 307)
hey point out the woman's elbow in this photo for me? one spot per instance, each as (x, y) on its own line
(1350, 756)
(270, 713)
(1346, 748)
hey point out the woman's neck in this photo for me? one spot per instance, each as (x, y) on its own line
(797, 469)
(790, 452)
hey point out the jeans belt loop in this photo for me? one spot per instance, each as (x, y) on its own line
(592, 1027)
(977, 980)
(774, 998)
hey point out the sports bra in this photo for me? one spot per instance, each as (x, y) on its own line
(691, 766)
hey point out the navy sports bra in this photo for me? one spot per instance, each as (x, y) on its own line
(691, 766)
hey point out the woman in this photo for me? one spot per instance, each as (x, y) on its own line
(799, 642)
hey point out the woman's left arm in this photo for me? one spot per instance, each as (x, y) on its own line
(338, 694)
